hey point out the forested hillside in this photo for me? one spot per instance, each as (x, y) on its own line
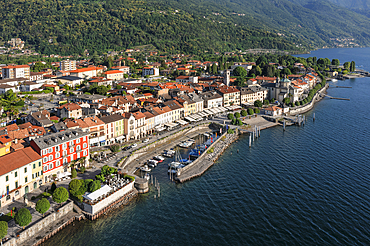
(190, 26)
(70, 27)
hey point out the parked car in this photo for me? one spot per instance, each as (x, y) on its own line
(146, 140)
(134, 145)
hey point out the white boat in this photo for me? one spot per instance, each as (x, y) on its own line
(169, 153)
(147, 176)
(152, 163)
(186, 144)
(158, 158)
(145, 169)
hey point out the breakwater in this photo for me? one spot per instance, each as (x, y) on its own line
(207, 159)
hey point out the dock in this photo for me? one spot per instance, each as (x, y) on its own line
(206, 160)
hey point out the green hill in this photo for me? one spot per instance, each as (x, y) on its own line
(191, 26)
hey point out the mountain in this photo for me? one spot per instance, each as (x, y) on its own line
(353, 4)
(190, 26)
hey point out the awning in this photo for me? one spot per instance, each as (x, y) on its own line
(208, 111)
(120, 137)
(170, 125)
(62, 175)
(190, 119)
(182, 122)
(98, 193)
(160, 128)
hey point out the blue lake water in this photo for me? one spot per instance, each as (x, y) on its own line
(306, 186)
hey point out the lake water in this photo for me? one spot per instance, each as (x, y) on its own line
(306, 186)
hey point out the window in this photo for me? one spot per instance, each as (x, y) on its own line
(78, 147)
(15, 174)
(57, 164)
(85, 145)
(45, 159)
(39, 163)
(25, 170)
(57, 155)
(35, 185)
(45, 168)
(50, 157)
(71, 150)
(51, 166)
(25, 179)
(7, 178)
(33, 176)
(64, 146)
(77, 140)
(16, 184)
(57, 148)
(34, 166)
(85, 152)
(50, 150)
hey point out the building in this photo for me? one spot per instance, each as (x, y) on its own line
(69, 110)
(114, 74)
(67, 65)
(124, 69)
(16, 71)
(284, 89)
(150, 71)
(59, 150)
(36, 76)
(248, 95)
(17, 174)
(96, 128)
(5, 144)
(71, 81)
(231, 95)
(135, 126)
(212, 99)
(114, 128)
(84, 98)
(273, 111)
(177, 110)
(87, 73)
(40, 118)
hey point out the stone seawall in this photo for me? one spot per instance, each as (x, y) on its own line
(31, 235)
(206, 160)
(310, 105)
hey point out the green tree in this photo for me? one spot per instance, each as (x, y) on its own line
(258, 103)
(52, 188)
(60, 195)
(346, 65)
(115, 148)
(352, 66)
(286, 100)
(257, 111)
(23, 217)
(230, 116)
(73, 173)
(237, 115)
(3, 230)
(240, 71)
(74, 187)
(233, 121)
(250, 111)
(297, 103)
(244, 113)
(335, 62)
(118, 87)
(214, 68)
(239, 122)
(95, 185)
(266, 102)
(42, 206)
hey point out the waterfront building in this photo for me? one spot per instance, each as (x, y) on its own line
(230, 94)
(17, 174)
(114, 128)
(212, 99)
(59, 149)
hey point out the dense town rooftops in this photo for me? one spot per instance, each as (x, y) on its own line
(70, 106)
(111, 118)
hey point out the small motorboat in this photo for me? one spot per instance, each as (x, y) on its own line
(147, 176)
(152, 163)
(158, 158)
(169, 153)
(145, 168)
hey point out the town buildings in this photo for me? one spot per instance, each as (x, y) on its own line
(67, 65)
(16, 71)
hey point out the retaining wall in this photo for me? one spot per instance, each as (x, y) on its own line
(310, 105)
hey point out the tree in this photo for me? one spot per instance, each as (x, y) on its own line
(52, 188)
(250, 111)
(258, 103)
(74, 173)
(214, 68)
(115, 148)
(240, 71)
(346, 65)
(95, 185)
(118, 87)
(286, 100)
(3, 230)
(240, 81)
(60, 195)
(244, 113)
(23, 217)
(74, 187)
(230, 116)
(237, 115)
(335, 62)
(233, 121)
(352, 66)
(239, 122)
(42, 206)
(107, 170)
(297, 103)
(272, 100)
(257, 111)
(266, 102)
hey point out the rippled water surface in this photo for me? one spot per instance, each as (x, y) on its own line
(306, 186)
